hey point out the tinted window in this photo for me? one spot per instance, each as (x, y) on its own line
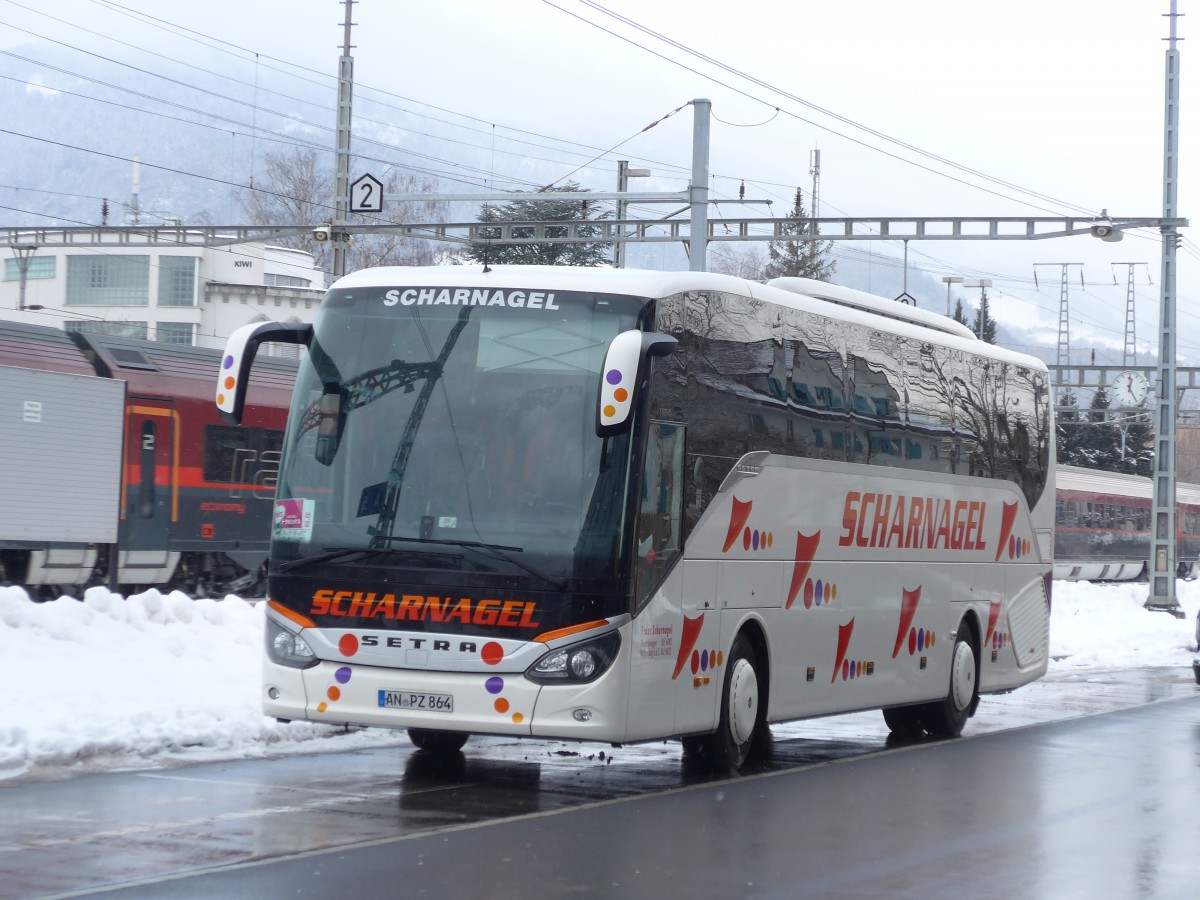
(754, 376)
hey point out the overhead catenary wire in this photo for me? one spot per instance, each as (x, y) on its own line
(104, 3)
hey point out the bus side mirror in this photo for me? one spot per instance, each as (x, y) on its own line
(239, 357)
(620, 376)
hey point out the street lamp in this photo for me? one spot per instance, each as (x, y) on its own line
(983, 284)
(624, 173)
(950, 279)
(23, 254)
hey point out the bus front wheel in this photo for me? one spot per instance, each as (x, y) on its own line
(741, 713)
(904, 721)
(437, 742)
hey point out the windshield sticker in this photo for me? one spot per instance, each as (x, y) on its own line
(293, 520)
(370, 501)
(470, 297)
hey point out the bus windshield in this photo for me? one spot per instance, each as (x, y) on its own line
(425, 426)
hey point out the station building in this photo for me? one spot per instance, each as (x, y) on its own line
(172, 293)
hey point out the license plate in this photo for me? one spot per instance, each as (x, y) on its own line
(416, 700)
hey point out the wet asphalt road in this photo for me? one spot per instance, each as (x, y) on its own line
(1076, 787)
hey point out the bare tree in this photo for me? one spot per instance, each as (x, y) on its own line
(298, 190)
(741, 262)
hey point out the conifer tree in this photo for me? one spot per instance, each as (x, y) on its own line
(984, 325)
(790, 256)
(1070, 432)
(531, 209)
(1099, 444)
(960, 315)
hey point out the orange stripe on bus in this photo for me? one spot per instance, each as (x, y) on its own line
(570, 629)
(302, 621)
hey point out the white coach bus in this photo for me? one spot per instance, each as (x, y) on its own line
(614, 505)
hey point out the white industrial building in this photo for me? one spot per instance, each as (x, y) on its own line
(171, 293)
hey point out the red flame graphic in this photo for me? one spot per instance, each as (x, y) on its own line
(687, 640)
(908, 609)
(844, 634)
(737, 521)
(806, 549)
(1007, 517)
(993, 618)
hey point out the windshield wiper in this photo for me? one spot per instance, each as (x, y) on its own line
(498, 551)
(333, 554)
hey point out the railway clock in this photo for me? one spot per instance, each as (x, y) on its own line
(1129, 388)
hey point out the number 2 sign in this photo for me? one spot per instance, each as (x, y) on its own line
(366, 195)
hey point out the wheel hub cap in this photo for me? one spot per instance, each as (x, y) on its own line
(962, 676)
(743, 701)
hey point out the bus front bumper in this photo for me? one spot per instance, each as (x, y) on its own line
(502, 703)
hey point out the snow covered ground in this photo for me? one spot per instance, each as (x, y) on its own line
(150, 680)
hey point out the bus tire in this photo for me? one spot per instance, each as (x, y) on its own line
(439, 743)
(904, 721)
(742, 716)
(948, 717)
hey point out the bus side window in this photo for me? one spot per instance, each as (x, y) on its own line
(660, 514)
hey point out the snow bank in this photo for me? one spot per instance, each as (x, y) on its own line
(155, 680)
(110, 682)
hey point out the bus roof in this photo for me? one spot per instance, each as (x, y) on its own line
(835, 293)
(634, 282)
(652, 283)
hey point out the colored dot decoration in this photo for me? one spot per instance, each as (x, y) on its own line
(620, 395)
(229, 381)
(341, 675)
(348, 645)
(1018, 547)
(492, 653)
(818, 592)
(852, 669)
(919, 640)
(703, 660)
(757, 540)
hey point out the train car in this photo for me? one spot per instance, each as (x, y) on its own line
(194, 493)
(60, 505)
(1102, 530)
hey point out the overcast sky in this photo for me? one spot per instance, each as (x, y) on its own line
(1061, 98)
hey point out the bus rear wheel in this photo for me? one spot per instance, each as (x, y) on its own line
(437, 742)
(742, 716)
(948, 717)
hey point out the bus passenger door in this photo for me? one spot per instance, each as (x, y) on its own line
(659, 628)
(698, 684)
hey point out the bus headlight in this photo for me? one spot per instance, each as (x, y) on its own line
(578, 663)
(288, 649)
